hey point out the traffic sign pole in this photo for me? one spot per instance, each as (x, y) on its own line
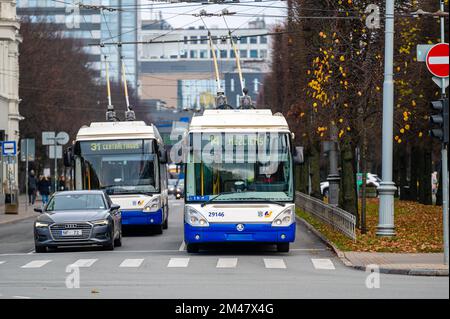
(444, 161)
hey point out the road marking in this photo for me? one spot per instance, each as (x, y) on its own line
(182, 247)
(323, 264)
(31, 252)
(36, 264)
(275, 263)
(84, 262)
(2, 262)
(178, 263)
(131, 263)
(227, 263)
(21, 297)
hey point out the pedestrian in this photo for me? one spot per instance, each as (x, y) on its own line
(32, 187)
(44, 189)
(62, 183)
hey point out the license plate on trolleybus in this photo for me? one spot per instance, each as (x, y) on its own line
(71, 232)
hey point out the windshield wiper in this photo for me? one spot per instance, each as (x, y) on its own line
(262, 200)
(218, 195)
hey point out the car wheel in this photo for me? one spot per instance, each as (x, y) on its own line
(192, 248)
(40, 249)
(283, 247)
(118, 241)
(110, 245)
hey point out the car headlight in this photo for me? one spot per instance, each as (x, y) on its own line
(194, 218)
(285, 218)
(101, 222)
(153, 205)
(41, 224)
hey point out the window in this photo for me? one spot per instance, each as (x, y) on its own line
(232, 55)
(263, 54)
(193, 54)
(243, 54)
(232, 85)
(243, 40)
(255, 85)
(194, 39)
(204, 39)
(185, 40)
(183, 55)
(263, 39)
(254, 40)
(254, 54)
(223, 54)
(203, 54)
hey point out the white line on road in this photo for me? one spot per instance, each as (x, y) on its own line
(275, 263)
(183, 245)
(84, 262)
(2, 262)
(31, 252)
(36, 264)
(131, 263)
(21, 297)
(323, 264)
(178, 263)
(227, 263)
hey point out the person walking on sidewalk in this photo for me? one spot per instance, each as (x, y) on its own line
(32, 188)
(44, 189)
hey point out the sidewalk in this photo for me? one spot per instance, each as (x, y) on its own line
(24, 212)
(430, 264)
(423, 264)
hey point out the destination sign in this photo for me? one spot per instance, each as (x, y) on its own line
(102, 147)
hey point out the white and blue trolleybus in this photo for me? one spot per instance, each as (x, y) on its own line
(127, 160)
(239, 179)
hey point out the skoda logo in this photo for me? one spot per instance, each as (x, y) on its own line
(240, 227)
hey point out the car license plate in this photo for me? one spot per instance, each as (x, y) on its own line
(71, 232)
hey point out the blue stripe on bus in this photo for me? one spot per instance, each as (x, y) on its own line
(218, 232)
(138, 217)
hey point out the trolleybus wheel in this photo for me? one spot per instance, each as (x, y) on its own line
(283, 247)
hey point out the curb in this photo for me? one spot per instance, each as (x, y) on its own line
(383, 270)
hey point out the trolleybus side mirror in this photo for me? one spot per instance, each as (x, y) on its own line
(38, 210)
(114, 207)
(163, 156)
(298, 155)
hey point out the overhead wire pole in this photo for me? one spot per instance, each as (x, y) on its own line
(387, 187)
(236, 54)
(444, 152)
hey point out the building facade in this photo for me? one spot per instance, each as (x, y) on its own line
(9, 84)
(179, 69)
(90, 24)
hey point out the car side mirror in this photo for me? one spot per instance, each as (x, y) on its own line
(38, 210)
(298, 155)
(114, 207)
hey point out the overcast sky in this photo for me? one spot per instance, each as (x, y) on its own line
(248, 9)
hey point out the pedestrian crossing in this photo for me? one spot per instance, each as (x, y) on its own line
(322, 264)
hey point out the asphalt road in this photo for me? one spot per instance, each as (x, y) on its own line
(157, 266)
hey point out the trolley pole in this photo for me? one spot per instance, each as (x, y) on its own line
(387, 187)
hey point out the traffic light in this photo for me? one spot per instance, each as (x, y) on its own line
(440, 120)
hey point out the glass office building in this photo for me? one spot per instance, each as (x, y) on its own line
(92, 25)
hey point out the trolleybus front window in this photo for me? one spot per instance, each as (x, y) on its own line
(242, 167)
(120, 167)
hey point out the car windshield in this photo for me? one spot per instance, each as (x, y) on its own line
(76, 202)
(244, 166)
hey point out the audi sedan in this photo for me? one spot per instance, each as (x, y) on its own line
(78, 218)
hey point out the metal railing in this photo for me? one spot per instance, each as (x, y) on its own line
(336, 217)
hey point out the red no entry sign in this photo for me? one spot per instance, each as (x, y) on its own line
(437, 60)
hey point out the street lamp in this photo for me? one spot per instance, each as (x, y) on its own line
(387, 186)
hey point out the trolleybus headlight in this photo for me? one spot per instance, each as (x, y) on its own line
(194, 218)
(152, 206)
(285, 218)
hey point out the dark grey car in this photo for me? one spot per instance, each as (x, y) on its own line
(76, 218)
